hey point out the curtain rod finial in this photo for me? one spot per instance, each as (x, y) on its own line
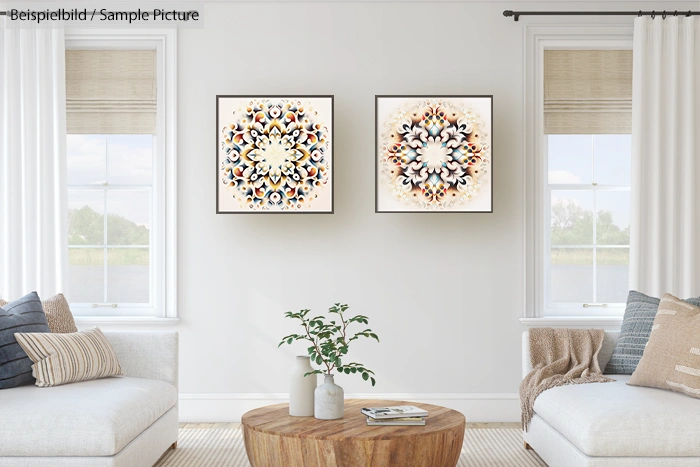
(511, 13)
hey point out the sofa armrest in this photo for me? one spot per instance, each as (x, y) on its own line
(150, 355)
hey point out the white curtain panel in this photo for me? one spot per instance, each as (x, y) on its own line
(665, 229)
(33, 234)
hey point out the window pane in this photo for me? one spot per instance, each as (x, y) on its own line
(612, 275)
(613, 219)
(570, 159)
(130, 159)
(613, 156)
(128, 218)
(572, 217)
(86, 275)
(86, 159)
(571, 272)
(128, 275)
(85, 217)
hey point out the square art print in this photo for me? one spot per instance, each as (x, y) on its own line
(433, 154)
(274, 154)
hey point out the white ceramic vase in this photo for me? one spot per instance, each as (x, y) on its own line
(329, 403)
(301, 389)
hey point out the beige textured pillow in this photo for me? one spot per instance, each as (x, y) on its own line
(58, 314)
(68, 358)
(671, 358)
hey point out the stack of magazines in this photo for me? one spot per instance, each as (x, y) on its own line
(402, 415)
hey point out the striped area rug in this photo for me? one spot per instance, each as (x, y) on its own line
(203, 446)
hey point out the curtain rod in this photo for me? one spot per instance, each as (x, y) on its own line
(517, 14)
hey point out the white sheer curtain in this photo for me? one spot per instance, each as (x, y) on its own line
(665, 230)
(33, 234)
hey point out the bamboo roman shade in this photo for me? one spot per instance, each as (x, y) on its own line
(111, 91)
(587, 91)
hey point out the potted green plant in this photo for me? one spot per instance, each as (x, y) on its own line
(330, 341)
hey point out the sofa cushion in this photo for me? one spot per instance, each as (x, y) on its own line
(672, 356)
(617, 420)
(90, 418)
(69, 357)
(58, 313)
(23, 315)
(634, 335)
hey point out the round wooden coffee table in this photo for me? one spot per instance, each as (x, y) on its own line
(274, 439)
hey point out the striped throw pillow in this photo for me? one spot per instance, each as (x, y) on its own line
(68, 358)
(23, 315)
(58, 313)
(671, 359)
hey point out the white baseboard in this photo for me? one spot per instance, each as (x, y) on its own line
(230, 407)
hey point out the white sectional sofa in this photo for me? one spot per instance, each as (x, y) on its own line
(613, 424)
(125, 421)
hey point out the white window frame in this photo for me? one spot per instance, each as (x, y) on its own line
(163, 246)
(539, 38)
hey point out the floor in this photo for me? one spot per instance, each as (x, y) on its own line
(222, 445)
(201, 426)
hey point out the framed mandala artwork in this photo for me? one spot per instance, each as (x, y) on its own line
(274, 154)
(433, 154)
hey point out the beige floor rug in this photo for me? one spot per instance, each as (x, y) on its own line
(223, 447)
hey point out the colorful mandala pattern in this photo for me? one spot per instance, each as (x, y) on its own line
(434, 154)
(276, 155)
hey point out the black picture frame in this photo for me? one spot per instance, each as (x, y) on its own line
(275, 96)
(377, 97)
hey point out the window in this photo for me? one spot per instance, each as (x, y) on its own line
(588, 201)
(587, 148)
(120, 174)
(578, 99)
(110, 219)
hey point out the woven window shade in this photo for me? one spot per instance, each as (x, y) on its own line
(587, 91)
(111, 91)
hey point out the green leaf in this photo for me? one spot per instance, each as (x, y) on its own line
(319, 360)
(354, 370)
(337, 361)
(290, 340)
(346, 370)
(365, 376)
(373, 381)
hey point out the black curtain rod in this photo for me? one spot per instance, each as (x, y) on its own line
(517, 14)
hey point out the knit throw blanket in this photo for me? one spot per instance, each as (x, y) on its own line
(560, 357)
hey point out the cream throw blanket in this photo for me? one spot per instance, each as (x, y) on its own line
(560, 357)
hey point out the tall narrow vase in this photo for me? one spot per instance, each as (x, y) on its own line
(329, 401)
(301, 390)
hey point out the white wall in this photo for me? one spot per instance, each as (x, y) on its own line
(443, 291)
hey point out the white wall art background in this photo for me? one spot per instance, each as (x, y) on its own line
(274, 154)
(434, 154)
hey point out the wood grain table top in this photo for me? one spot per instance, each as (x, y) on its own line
(275, 419)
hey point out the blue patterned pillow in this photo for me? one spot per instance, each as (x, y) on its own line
(634, 335)
(23, 315)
